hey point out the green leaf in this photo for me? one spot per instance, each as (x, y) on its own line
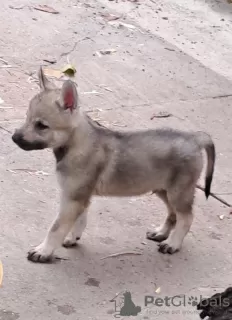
(69, 70)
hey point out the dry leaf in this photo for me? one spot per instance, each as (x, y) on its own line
(69, 70)
(46, 8)
(110, 16)
(53, 73)
(107, 51)
(161, 114)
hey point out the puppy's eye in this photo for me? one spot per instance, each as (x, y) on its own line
(40, 125)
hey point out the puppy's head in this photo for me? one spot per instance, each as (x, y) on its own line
(51, 116)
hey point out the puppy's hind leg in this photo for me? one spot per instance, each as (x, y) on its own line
(182, 204)
(76, 231)
(162, 233)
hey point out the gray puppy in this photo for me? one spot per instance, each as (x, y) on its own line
(93, 160)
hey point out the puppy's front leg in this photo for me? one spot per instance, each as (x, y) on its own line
(69, 212)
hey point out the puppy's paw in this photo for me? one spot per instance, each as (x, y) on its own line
(40, 254)
(166, 247)
(70, 243)
(156, 236)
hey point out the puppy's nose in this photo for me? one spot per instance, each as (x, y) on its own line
(17, 136)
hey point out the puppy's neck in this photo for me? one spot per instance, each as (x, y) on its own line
(60, 153)
(79, 131)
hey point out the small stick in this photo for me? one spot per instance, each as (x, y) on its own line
(117, 294)
(2, 128)
(60, 258)
(4, 61)
(119, 125)
(122, 254)
(212, 195)
(215, 196)
(223, 193)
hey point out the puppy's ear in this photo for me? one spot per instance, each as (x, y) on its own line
(44, 83)
(69, 95)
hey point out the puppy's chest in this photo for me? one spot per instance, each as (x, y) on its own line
(78, 172)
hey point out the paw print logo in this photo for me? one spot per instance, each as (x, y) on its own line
(192, 301)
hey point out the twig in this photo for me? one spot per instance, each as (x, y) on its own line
(4, 61)
(169, 49)
(7, 66)
(119, 125)
(98, 110)
(4, 129)
(222, 96)
(60, 258)
(215, 196)
(117, 294)
(122, 254)
(29, 171)
(223, 193)
(104, 87)
(45, 8)
(212, 195)
(91, 92)
(108, 89)
(74, 47)
(17, 8)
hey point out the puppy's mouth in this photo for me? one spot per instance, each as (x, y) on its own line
(26, 145)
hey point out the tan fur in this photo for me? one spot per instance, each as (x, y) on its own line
(93, 160)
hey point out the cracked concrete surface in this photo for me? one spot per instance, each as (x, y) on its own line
(176, 59)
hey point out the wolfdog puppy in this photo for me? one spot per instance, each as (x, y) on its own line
(93, 160)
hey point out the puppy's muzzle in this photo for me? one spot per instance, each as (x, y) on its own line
(26, 145)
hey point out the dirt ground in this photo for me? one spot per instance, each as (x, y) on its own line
(170, 57)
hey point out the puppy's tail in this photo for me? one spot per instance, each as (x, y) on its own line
(206, 142)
